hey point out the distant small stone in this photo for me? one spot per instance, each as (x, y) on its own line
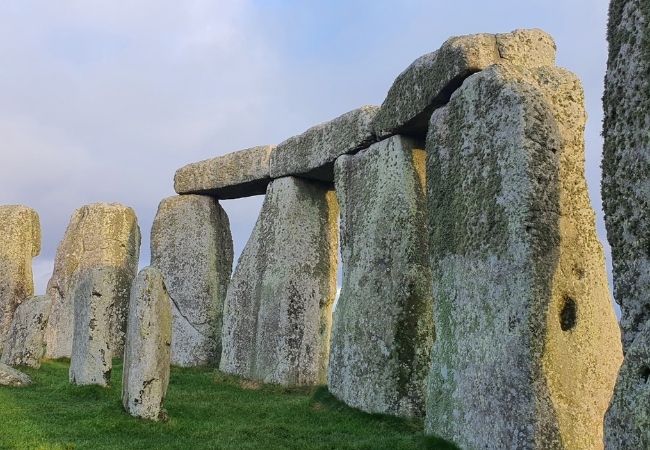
(26, 344)
(234, 175)
(312, 153)
(12, 377)
(148, 347)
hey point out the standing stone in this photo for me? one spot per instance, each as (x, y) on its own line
(312, 153)
(429, 81)
(12, 377)
(147, 353)
(20, 241)
(277, 315)
(383, 324)
(99, 309)
(26, 343)
(99, 235)
(626, 201)
(626, 160)
(527, 345)
(238, 174)
(191, 245)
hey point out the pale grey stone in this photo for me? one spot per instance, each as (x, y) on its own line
(383, 325)
(234, 175)
(277, 314)
(527, 346)
(626, 160)
(312, 154)
(12, 377)
(430, 80)
(20, 241)
(26, 344)
(100, 300)
(192, 246)
(148, 347)
(98, 235)
(627, 423)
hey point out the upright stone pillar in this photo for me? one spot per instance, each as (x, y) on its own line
(100, 235)
(277, 315)
(626, 201)
(191, 245)
(147, 352)
(383, 324)
(98, 300)
(20, 241)
(527, 346)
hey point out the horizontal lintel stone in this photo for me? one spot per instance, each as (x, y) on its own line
(238, 174)
(312, 153)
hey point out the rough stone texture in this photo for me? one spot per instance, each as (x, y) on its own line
(99, 309)
(99, 235)
(12, 377)
(26, 344)
(527, 346)
(148, 347)
(627, 423)
(192, 246)
(238, 174)
(20, 241)
(277, 314)
(626, 160)
(312, 154)
(430, 80)
(383, 325)
(626, 201)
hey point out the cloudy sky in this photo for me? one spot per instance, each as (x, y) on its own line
(104, 100)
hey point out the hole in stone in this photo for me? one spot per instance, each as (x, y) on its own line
(568, 314)
(645, 373)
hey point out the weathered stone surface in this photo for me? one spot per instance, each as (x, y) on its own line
(100, 299)
(626, 160)
(430, 80)
(20, 241)
(147, 353)
(277, 314)
(312, 154)
(192, 246)
(527, 346)
(26, 344)
(383, 325)
(13, 377)
(238, 174)
(627, 423)
(99, 235)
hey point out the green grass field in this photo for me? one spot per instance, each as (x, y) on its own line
(206, 409)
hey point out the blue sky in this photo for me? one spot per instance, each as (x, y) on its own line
(104, 100)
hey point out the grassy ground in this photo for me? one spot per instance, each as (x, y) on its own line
(207, 410)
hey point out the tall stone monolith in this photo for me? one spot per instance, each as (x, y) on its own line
(147, 352)
(527, 345)
(383, 325)
(191, 245)
(277, 314)
(99, 310)
(100, 235)
(25, 345)
(20, 241)
(626, 201)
